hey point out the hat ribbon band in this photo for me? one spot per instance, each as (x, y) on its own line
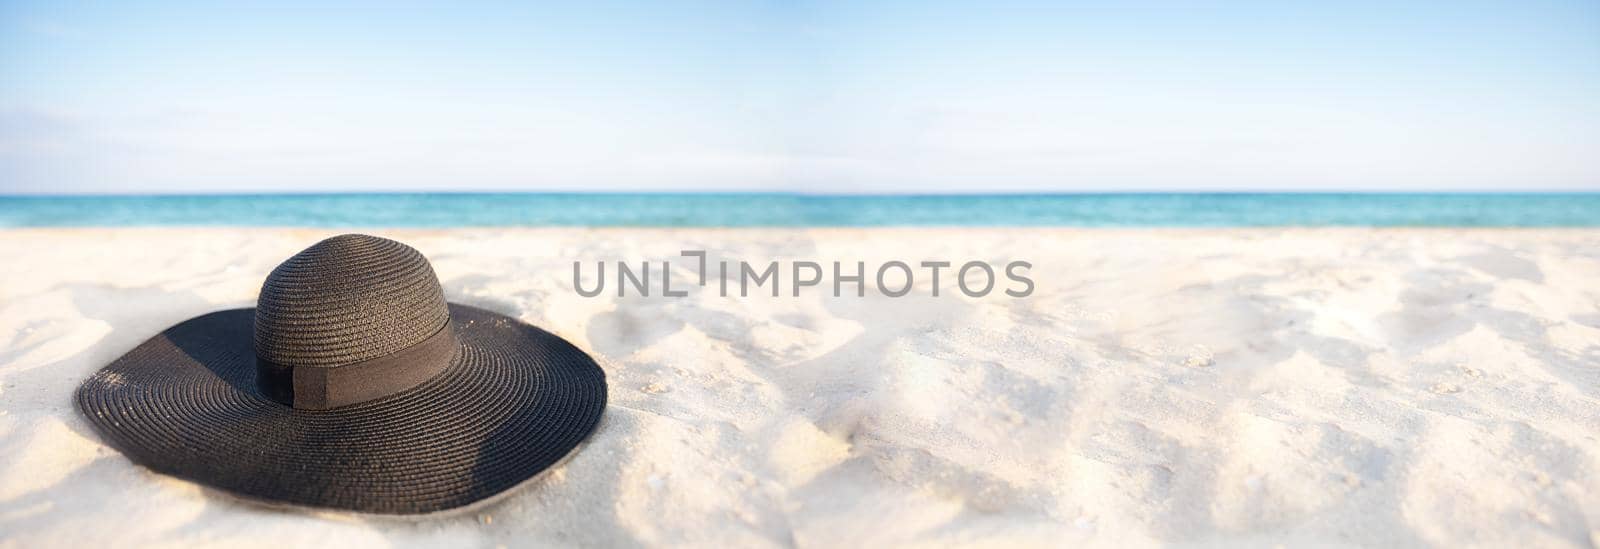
(325, 387)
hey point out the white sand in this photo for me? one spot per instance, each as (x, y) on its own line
(1255, 387)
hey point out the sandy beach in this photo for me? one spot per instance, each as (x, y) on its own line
(1253, 387)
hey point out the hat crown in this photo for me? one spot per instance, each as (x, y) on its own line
(347, 299)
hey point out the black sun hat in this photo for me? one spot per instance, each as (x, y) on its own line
(352, 385)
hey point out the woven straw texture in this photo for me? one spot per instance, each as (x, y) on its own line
(346, 299)
(511, 402)
(516, 401)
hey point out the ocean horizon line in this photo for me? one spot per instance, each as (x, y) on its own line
(788, 209)
(827, 194)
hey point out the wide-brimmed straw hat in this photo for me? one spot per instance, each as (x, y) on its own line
(352, 385)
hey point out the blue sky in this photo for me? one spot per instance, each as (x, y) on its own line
(799, 96)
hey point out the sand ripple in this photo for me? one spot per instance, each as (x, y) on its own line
(1330, 387)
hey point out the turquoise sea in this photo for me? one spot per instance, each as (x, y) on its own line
(790, 210)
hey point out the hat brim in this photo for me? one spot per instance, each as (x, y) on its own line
(514, 402)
